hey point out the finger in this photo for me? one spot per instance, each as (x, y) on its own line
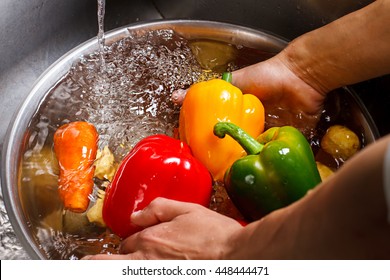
(178, 96)
(130, 244)
(160, 210)
(247, 81)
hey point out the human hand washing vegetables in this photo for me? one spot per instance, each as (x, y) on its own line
(158, 166)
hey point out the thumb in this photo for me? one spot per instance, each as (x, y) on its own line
(160, 210)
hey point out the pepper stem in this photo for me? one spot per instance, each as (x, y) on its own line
(227, 76)
(247, 142)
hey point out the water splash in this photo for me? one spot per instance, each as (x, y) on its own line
(10, 247)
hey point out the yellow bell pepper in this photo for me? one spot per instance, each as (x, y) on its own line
(210, 102)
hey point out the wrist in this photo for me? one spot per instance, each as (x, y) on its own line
(351, 49)
(307, 64)
(272, 237)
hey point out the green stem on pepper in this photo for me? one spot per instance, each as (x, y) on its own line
(247, 142)
(227, 76)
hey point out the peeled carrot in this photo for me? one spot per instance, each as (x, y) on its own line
(75, 145)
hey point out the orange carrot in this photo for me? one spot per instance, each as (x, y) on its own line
(75, 145)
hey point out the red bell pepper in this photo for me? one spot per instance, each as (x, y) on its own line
(158, 166)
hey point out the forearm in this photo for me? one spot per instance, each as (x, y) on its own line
(344, 218)
(351, 49)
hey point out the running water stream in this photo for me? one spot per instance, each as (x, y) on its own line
(101, 10)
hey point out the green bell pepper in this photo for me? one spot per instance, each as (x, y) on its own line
(278, 170)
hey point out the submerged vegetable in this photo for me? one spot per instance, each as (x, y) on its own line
(340, 142)
(158, 166)
(278, 170)
(105, 165)
(94, 213)
(75, 146)
(207, 103)
(213, 55)
(324, 171)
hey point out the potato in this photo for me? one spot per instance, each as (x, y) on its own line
(95, 213)
(39, 181)
(340, 142)
(105, 164)
(324, 170)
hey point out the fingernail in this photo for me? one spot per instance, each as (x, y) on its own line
(135, 214)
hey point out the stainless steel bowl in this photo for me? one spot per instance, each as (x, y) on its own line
(15, 141)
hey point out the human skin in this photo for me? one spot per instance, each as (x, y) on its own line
(345, 217)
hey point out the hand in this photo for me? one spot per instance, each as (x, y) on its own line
(177, 230)
(282, 92)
